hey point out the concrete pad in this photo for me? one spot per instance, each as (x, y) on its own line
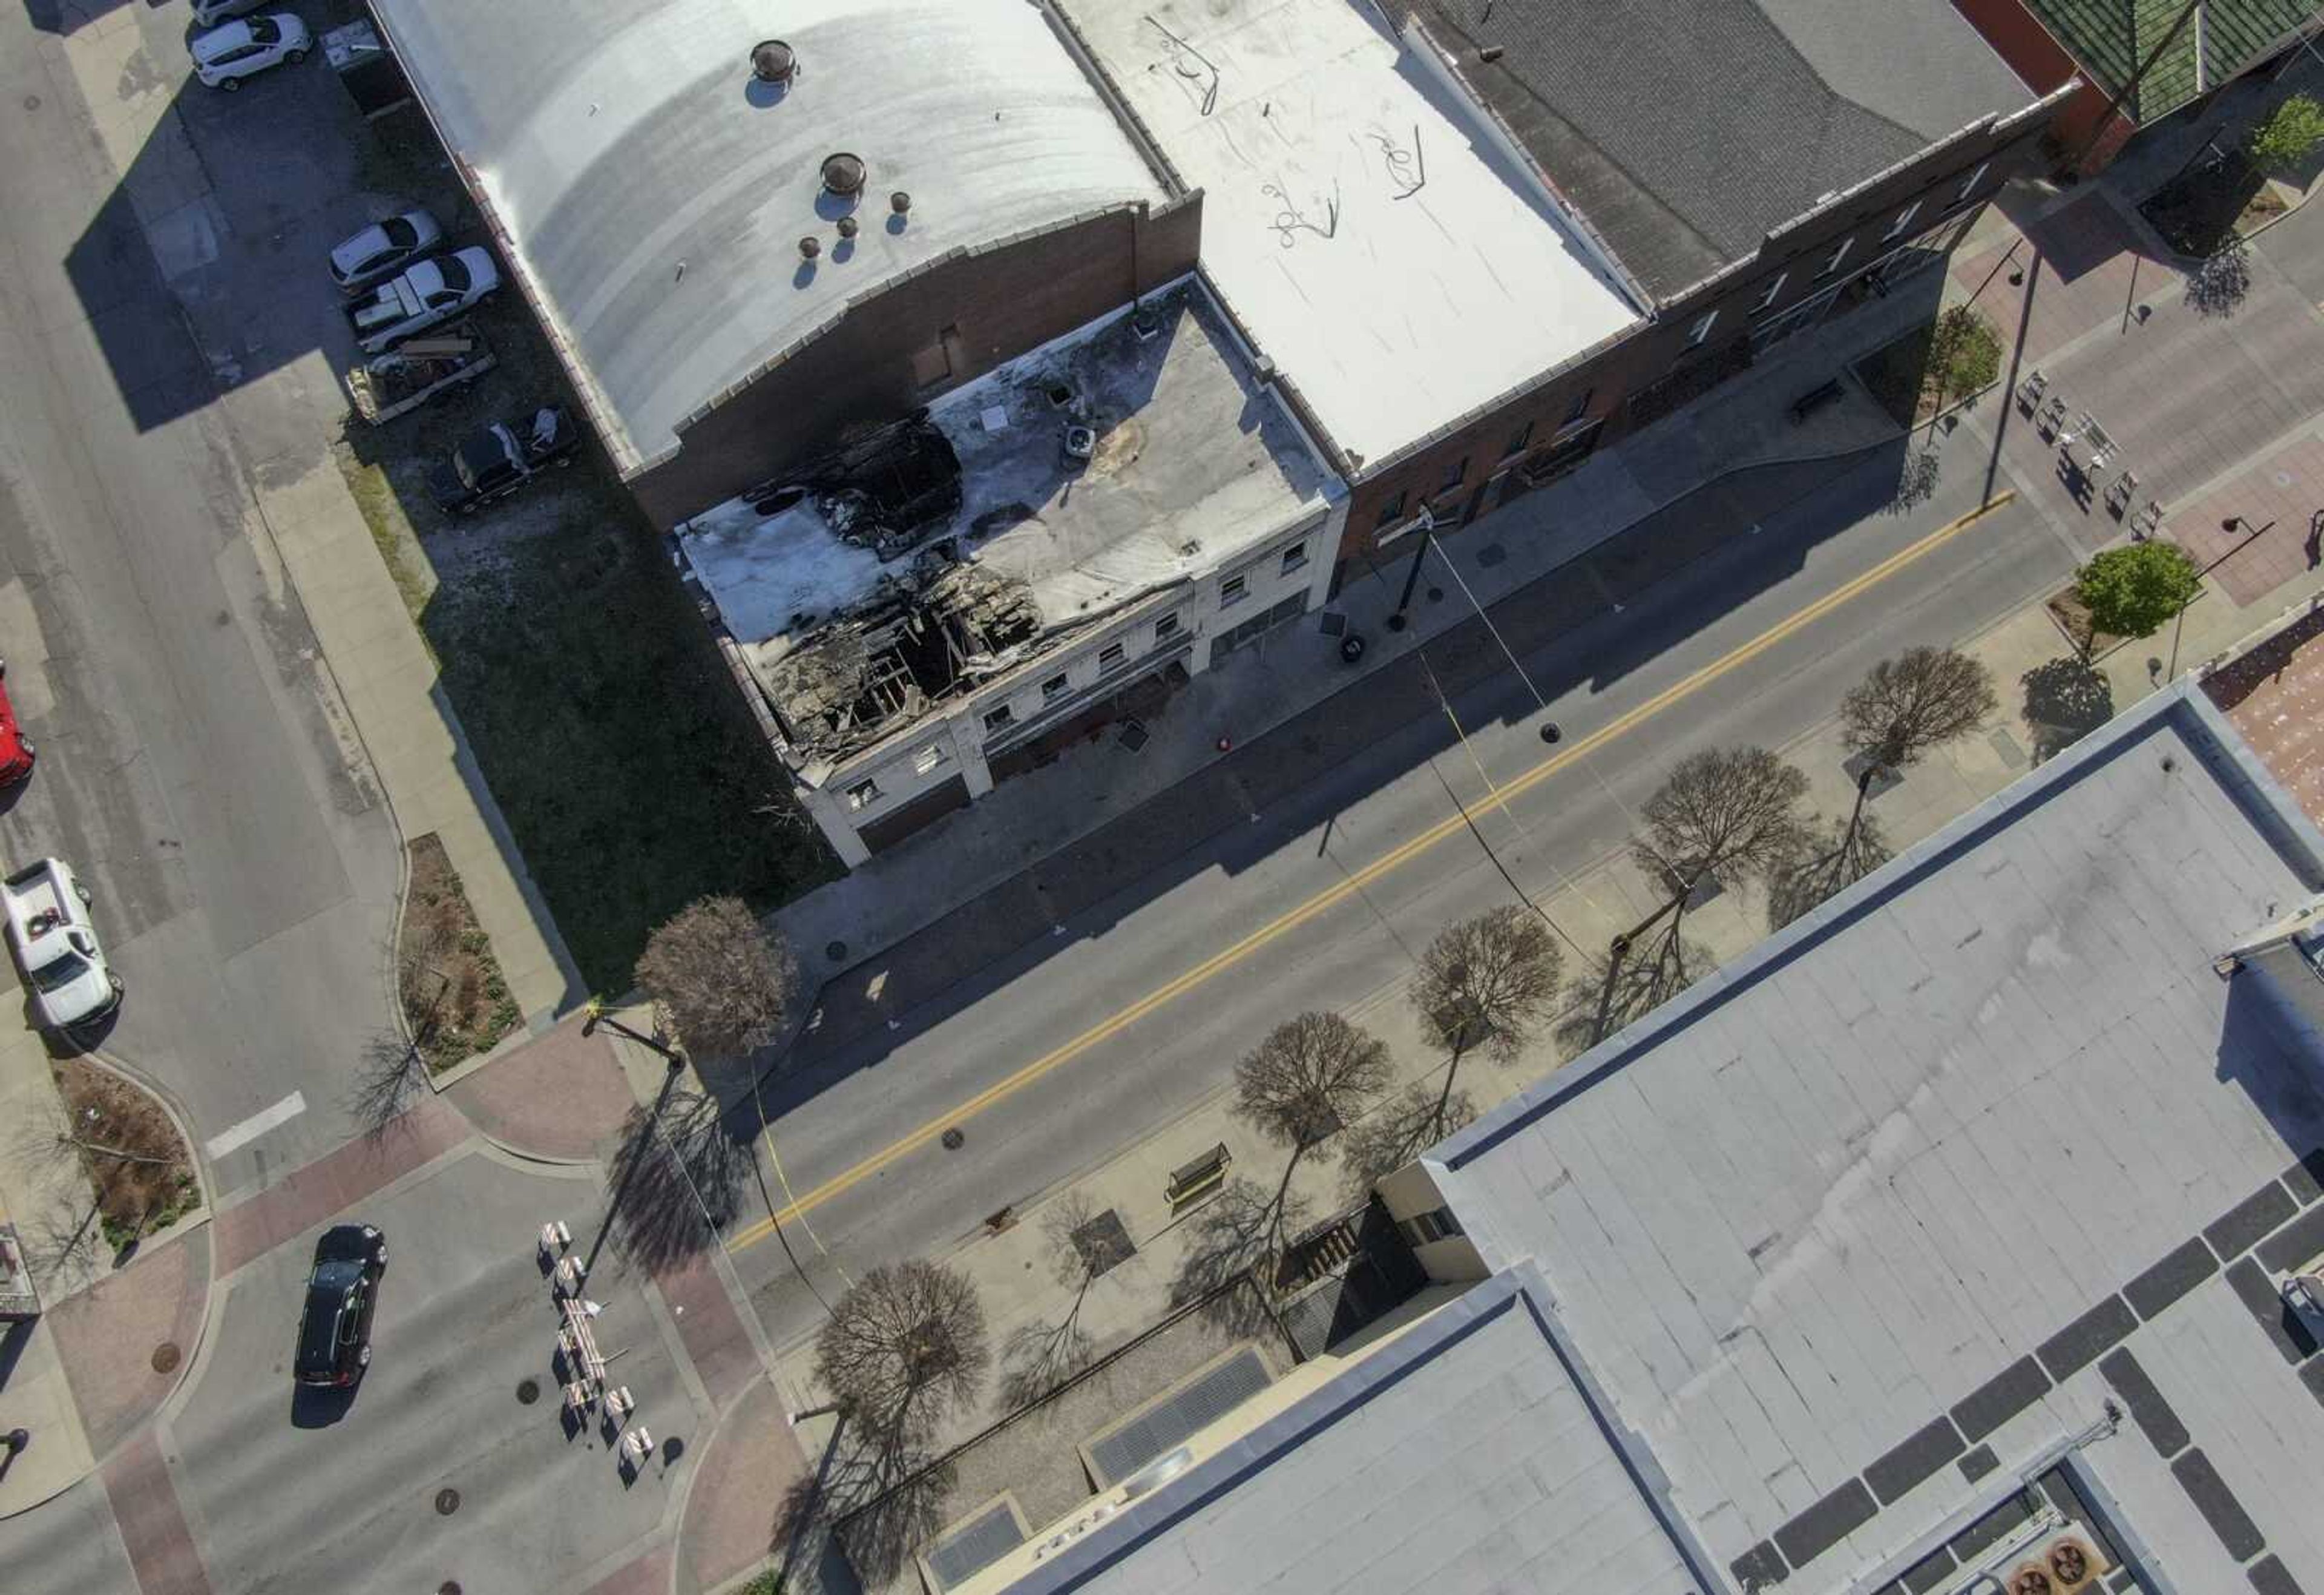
(186, 239)
(39, 1398)
(732, 1516)
(70, 1547)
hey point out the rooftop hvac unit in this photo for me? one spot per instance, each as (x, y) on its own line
(2063, 1564)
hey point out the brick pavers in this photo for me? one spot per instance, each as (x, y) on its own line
(330, 1183)
(562, 1096)
(2082, 266)
(733, 1516)
(107, 1335)
(2275, 694)
(715, 1341)
(2287, 488)
(152, 1525)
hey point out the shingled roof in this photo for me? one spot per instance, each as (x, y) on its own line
(2111, 38)
(1685, 130)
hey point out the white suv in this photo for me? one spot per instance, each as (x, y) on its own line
(224, 55)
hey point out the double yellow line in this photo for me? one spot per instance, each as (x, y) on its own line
(1283, 925)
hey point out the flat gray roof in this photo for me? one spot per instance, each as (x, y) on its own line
(1469, 1455)
(656, 193)
(1901, 1183)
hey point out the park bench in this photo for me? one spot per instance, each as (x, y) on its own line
(1816, 398)
(1204, 1174)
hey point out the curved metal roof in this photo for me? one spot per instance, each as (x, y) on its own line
(656, 191)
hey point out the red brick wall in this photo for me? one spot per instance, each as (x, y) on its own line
(1660, 346)
(995, 304)
(2018, 37)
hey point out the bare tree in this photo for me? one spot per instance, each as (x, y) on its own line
(723, 979)
(1229, 1240)
(903, 1349)
(2218, 287)
(1724, 814)
(1311, 1075)
(1486, 981)
(1904, 708)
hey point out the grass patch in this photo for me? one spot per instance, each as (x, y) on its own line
(454, 996)
(391, 532)
(608, 729)
(1935, 365)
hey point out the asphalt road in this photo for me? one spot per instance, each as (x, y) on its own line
(464, 1316)
(1140, 1076)
(194, 766)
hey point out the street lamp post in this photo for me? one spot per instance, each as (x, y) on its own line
(1396, 622)
(2179, 621)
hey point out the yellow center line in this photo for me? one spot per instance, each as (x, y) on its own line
(1292, 919)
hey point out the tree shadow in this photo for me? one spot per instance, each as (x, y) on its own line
(2066, 699)
(1397, 1131)
(1835, 861)
(856, 1521)
(1232, 1238)
(1602, 1004)
(390, 1072)
(679, 1178)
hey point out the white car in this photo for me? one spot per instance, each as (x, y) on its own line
(209, 14)
(384, 249)
(226, 55)
(64, 969)
(432, 291)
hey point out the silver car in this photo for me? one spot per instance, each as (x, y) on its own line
(208, 14)
(384, 249)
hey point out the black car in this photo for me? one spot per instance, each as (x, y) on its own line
(335, 1334)
(502, 458)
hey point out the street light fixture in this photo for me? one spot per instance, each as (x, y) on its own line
(1396, 622)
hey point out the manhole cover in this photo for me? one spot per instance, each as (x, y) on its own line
(528, 1391)
(32, 102)
(835, 951)
(448, 1501)
(1436, 595)
(953, 1140)
(166, 1356)
(448, 1587)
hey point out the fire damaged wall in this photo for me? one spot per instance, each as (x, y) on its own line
(890, 351)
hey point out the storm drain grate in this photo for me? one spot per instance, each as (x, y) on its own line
(1167, 1425)
(967, 1550)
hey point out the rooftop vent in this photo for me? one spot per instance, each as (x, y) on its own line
(810, 246)
(843, 174)
(846, 224)
(899, 202)
(773, 62)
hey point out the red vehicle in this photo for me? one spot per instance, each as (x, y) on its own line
(15, 747)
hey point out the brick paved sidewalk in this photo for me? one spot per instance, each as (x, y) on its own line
(128, 1341)
(561, 1097)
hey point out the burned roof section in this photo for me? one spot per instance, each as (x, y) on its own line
(916, 561)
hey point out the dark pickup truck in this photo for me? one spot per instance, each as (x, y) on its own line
(495, 462)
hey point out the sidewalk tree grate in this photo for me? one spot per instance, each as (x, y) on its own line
(528, 1391)
(448, 1501)
(166, 1356)
(1103, 1243)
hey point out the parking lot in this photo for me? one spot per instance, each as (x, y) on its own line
(579, 674)
(299, 1488)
